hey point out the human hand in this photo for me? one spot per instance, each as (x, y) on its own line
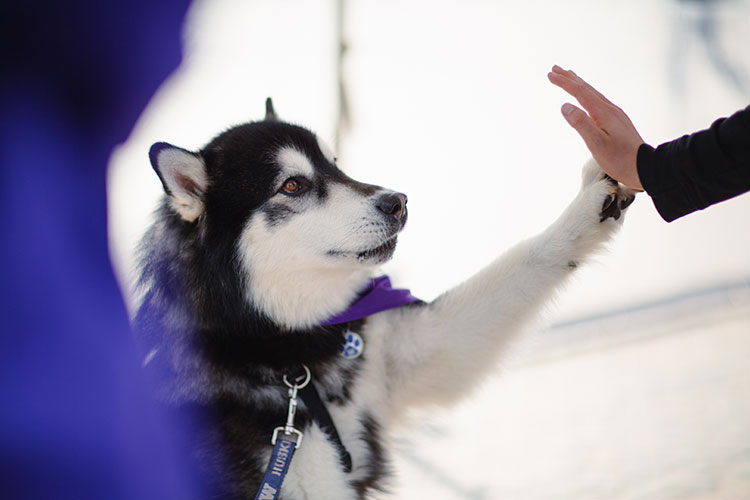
(606, 129)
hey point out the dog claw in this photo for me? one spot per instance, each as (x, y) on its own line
(625, 202)
(613, 211)
(610, 209)
(617, 201)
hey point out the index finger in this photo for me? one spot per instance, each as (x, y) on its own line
(574, 76)
(591, 100)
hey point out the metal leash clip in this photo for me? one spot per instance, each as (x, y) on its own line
(289, 429)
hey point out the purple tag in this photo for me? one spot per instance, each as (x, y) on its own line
(376, 297)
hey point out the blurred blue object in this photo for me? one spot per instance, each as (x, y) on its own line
(77, 418)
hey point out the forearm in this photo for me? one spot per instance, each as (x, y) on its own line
(698, 170)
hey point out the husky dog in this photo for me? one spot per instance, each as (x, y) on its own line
(259, 240)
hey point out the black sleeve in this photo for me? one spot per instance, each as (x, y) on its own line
(698, 170)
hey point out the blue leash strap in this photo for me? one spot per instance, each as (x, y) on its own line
(285, 440)
(277, 467)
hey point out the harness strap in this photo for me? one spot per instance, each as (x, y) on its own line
(319, 413)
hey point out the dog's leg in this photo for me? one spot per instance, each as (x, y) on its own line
(437, 352)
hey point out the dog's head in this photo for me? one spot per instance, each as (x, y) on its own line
(268, 198)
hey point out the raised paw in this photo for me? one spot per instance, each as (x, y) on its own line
(618, 200)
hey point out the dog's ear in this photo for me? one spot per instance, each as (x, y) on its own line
(270, 113)
(183, 175)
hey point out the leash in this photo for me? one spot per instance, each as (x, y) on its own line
(287, 439)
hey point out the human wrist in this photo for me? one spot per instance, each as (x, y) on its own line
(644, 170)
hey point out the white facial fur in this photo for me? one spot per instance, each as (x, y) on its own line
(295, 162)
(307, 267)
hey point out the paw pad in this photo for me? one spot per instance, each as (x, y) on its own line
(618, 200)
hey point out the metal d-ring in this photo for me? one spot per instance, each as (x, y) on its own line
(304, 382)
(289, 429)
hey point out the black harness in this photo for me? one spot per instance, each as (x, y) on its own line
(319, 413)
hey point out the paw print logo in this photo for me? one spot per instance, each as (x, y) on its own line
(353, 345)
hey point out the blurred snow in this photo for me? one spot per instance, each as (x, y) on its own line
(664, 417)
(450, 104)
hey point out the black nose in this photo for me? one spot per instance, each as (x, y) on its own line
(392, 204)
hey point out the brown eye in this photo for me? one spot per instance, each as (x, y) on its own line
(291, 186)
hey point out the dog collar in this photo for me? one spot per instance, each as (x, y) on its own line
(377, 296)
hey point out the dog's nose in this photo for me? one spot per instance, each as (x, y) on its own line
(392, 204)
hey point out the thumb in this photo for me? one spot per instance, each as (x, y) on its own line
(591, 134)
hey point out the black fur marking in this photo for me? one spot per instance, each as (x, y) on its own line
(277, 214)
(377, 467)
(322, 190)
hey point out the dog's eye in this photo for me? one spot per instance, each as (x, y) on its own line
(291, 186)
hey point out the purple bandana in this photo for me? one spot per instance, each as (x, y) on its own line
(376, 297)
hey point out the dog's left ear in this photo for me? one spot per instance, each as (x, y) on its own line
(183, 175)
(270, 113)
